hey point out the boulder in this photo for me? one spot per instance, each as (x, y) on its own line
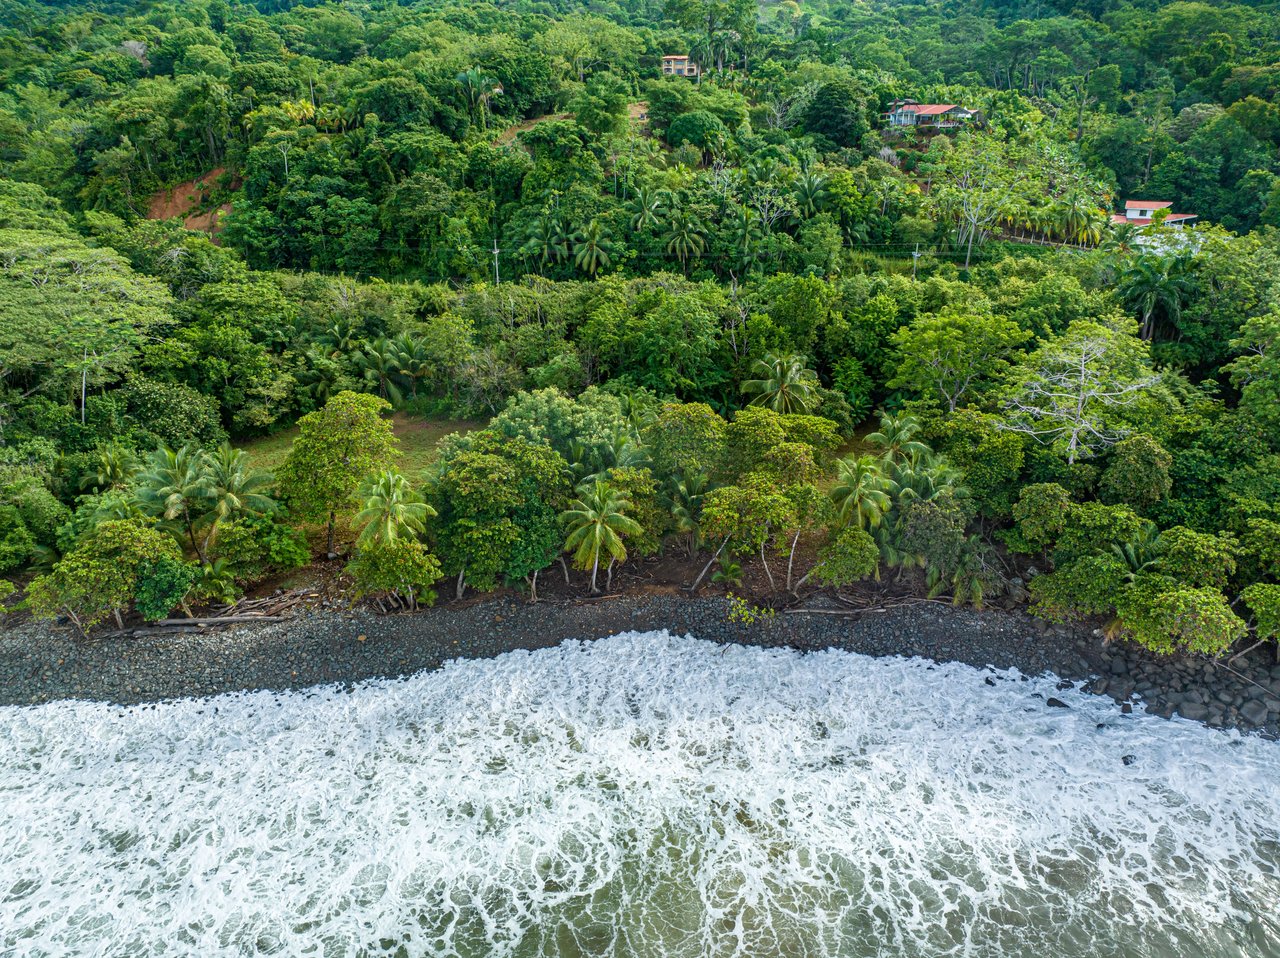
(1254, 712)
(1194, 711)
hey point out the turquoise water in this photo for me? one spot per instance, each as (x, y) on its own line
(643, 795)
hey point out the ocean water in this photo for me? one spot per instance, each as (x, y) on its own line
(644, 795)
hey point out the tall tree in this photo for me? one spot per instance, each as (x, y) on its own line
(337, 447)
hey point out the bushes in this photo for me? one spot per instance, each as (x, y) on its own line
(171, 414)
(99, 578)
(399, 567)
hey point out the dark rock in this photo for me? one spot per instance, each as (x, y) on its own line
(1194, 711)
(1126, 709)
(1098, 686)
(1064, 685)
(1056, 704)
(989, 680)
(1128, 759)
(1254, 712)
(1119, 666)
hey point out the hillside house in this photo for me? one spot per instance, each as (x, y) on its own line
(679, 66)
(1141, 212)
(935, 116)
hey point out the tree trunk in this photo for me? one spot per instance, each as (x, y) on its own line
(595, 568)
(608, 577)
(791, 559)
(462, 584)
(765, 562)
(533, 586)
(707, 568)
(564, 567)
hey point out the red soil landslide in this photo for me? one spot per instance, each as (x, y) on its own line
(186, 199)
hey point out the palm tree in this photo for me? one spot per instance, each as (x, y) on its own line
(811, 194)
(114, 468)
(342, 336)
(176, 488)
(686, 495)
(862, 493)
(478, 89)
(686, 239)
(591, 246)
(391, 509)
(545, 241)
(785, 386)
(380, 363)
(924, 476)
(1141, 553)
(747, 236)
(596, 522)
(413, 358)
(649, 206)
(896, 438)
(1152, 283)
(321, 377)
(234, 488)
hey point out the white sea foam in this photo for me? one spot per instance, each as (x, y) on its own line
(639, 796)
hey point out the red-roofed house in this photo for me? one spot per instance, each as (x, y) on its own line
(1140, 213)
(938, 116)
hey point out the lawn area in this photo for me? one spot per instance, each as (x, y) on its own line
(418, 438)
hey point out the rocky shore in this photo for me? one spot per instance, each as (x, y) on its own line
(38, 664)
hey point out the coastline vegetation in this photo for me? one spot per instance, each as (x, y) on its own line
(735, 317)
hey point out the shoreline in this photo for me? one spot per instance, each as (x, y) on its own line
(39, 664)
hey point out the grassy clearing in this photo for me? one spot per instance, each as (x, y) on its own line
(418, 440)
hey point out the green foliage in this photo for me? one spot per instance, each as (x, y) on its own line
(163, 583)
(850, 557)
(100, 576)
(1263, 600)
(17, 544)
(1137, 475)
(1195, 558)
(398, 566)
(1161, 615)
(1092, 527)
(1041, 514)
(1086, 587)
(337, 447)
(953, 356)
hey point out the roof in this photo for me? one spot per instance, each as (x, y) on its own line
(1147, 220)
(927, 109)
(1146, 205)
(676, 56)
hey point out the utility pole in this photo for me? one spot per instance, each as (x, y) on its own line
(497, 280)
(915, 259)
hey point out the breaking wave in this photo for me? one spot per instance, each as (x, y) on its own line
(644, 795)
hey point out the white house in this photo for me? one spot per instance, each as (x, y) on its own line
(1141, 212)
(937, 116)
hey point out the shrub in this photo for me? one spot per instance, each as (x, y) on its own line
(16, 542)
(172, 414)
(1163, 616)
(401, 567)
(851, 556)
(1083, 588)
(1196, 558)
(163, 584)
(1138, 475)
(99, 577)
(1041, 516)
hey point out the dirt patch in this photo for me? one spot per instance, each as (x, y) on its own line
(188, 201)
(510, 133)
